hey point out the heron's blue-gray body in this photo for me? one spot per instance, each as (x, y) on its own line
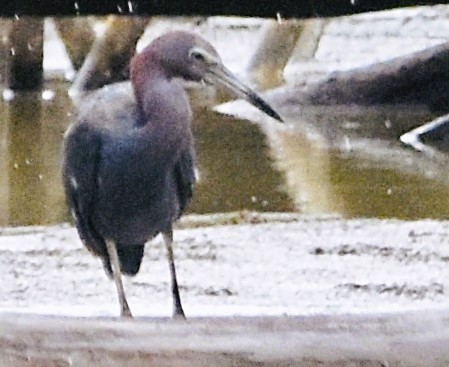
(128, 166)
(136, 172)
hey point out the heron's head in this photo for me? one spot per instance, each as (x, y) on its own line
(189, 56)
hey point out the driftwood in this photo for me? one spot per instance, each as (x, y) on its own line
(268, 9)
(413, 339)
(308, 40)
(109, 57)
(266, 66)
(421, 78)
(431, 138)
(78, 36)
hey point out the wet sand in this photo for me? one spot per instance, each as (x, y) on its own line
(324, 281)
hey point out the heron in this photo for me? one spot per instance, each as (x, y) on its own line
(129, 161)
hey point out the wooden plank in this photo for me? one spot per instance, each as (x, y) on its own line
(405, 339)
(287, 8)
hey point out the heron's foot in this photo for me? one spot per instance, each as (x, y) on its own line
(178, 314)
(127, 315)
(126, 312)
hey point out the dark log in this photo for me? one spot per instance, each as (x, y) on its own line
(5, 49)
(26, 54)
(420, 78)
(268, 9)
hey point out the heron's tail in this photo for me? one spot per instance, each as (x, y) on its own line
(130, 258)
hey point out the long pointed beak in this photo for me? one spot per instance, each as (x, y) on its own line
(219, 74)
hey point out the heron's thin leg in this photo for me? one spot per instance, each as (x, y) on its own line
(177, 307)
(116, 273)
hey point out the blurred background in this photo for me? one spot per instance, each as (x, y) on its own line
(343, 160)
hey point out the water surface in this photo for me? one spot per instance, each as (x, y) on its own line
(321, 168)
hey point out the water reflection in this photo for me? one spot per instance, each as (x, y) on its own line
(32, 131)
(25, 163)
(385, 192)
(241, 167)
(356, 166)
(236, 171)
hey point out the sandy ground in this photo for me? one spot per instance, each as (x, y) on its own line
(326, 265)
(309, 273)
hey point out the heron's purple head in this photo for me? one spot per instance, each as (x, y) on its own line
(178, 55)
(186, 55)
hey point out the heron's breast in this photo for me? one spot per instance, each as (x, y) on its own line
(135, 195)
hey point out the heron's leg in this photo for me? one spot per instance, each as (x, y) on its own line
(117, 275)
(177, 307)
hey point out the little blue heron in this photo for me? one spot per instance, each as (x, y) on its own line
(129, 160)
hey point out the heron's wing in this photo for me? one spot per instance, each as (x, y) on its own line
(185, 177)
(82, 144)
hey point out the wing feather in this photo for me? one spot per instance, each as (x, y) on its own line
(81, 154)
(185, 177)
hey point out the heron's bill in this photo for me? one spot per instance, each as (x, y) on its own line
(219, 74)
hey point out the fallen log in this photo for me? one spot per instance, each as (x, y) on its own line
(420, 78)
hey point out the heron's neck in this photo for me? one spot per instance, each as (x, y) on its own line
(160, 98)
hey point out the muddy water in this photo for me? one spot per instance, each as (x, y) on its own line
(235, 170)
(361, 176)
(241, 167)
(370, 173)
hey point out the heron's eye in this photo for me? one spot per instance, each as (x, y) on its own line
(196, 55)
